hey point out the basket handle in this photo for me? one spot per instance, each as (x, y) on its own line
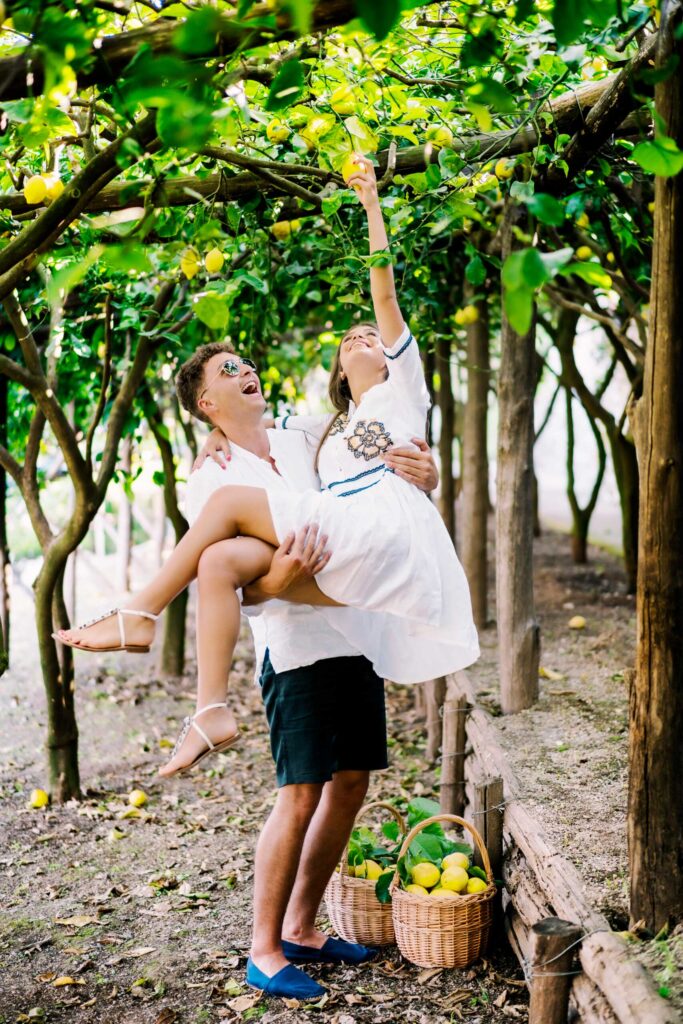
(344, 867)
(455, 820)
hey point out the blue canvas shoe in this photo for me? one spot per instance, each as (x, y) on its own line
(289, 982)
(334, 951)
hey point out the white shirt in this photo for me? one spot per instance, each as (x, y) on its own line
(295, 634)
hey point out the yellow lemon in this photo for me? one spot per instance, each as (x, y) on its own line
(342, 100)
(444, 893)
(466, 315)
(651, 207)
(425, 874)
(610, 257)
(476, 885)
(136, 798)
(577, 622)
(456, 860)
(372, 870)
(316, 127)
(277, 130)
(38, 799)
(353, 163)
(35, 189)
(583, 220)
(417, 890)
(360, 870)
(284, 228)
(55, 187)
(455, 879)
(584, 252)
(214, 260)
(189, 263)
(439, 136)
(503, 169)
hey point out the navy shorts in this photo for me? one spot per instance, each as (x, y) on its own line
(325, 718)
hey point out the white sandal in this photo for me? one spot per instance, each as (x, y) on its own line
(122, 645)
(212, 748)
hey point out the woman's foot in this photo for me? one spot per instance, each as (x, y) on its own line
(213, 724)
(121, 629)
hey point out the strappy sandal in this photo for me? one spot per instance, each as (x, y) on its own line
(122, 645)
(212, 748)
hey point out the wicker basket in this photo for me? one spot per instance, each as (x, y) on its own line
(432, 932)
(354, 911)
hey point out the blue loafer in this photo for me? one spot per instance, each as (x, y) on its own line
(289, 982)
(334, 951)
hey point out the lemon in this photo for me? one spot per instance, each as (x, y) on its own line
(316, 127)
(503, 169)
(284, 228)
(610, 257)
(651, 207)
(456, 860)
(277, 130)
(584, 252)
(342, 100)
(455, 879)
(417, 890)
(439, 136)
(426, 875)
(373, 870)
(38, 799)
(476, 885)
(577, 622)
(447, 893)
(214, 260)
(466, 315)
(583, 221)
(189, 263)
(353, 163)
(55, 187)
(136, 798)
(35, 189)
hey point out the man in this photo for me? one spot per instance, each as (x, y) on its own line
(313, 682)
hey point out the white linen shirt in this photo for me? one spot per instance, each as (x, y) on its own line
(294, 634)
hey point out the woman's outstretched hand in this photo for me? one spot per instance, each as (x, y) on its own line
(216, 447)
(417, 467)
(364, 182)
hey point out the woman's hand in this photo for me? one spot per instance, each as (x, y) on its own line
(216, 447)
(298, 560)
(364, 183)
(417, 467)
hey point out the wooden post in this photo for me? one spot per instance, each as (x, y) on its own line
(435, 693)
(554, 945)
(453, 756)
(487, 817)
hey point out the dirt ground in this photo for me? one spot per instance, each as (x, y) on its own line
(148, 913)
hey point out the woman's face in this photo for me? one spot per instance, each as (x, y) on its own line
(361, 351)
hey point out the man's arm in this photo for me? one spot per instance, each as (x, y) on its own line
(417, 467)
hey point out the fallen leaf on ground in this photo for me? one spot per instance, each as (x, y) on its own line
(427, 975)
(167, 1016)
(138, 951)
(242, 1003)
(61, 982)
(79, 921)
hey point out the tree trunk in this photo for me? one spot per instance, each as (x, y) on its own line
(447, 411)
(125, 521)
(625, 463)
(429, 361)
(435, 695)
(655, 807)
(518, 630)
(581, 517)
(475, 464)
(5, 567)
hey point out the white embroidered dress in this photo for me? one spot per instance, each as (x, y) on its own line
(391, 553)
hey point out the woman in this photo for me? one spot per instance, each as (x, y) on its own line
(391, 554)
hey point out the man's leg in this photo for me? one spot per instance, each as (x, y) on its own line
(275, 868)
(326, 838)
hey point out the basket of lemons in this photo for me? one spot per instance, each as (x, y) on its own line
(355, 910)
(442, 905)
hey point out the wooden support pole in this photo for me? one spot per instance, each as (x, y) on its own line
(554, 945)
(487, 816)
(453, 756)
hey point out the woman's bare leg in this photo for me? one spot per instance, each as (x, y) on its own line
(223, 568)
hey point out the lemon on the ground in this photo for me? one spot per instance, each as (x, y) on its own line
(439, 135)
(342, 100)
(425, 874)
(417, 890)
(277, 130)
(577, 622)
(456, 860)
(38, 799)
(454, 878)
(35, 189)
(189, 263)
(137, 797)
(476, 885)
(353, 164)
(584, 252)
(214, 260)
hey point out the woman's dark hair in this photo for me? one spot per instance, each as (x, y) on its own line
(338, 388)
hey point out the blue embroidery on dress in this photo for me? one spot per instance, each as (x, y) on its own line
(345, 494)
(284, 422)
(401, 350)
(353, 479)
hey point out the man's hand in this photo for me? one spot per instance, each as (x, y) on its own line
(417, 467)
(299, 558)
(216, 447)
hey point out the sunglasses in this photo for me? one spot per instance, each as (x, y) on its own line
(231, 368)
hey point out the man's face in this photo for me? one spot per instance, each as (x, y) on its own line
(236, 396)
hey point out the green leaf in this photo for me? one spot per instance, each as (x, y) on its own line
(287, 87)
(185, 124)
(554, 261)
(477, 872)
(568, 19)
(519, 307)
(493, 93)
(547, 209)
(661, 157)
(426, 847)
(379, 16)
(197, 35)
(300, 11)
(212, 309)
(523, 10)
(127, 257)
(331, 204)
(591, 273)
(390, 830)
(382, 887)
(523, 269)
(475, 271)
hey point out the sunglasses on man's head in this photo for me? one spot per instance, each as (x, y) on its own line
(231, 368)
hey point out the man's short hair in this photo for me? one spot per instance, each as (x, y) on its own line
(189, 382)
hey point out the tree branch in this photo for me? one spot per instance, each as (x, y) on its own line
(104, 383)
